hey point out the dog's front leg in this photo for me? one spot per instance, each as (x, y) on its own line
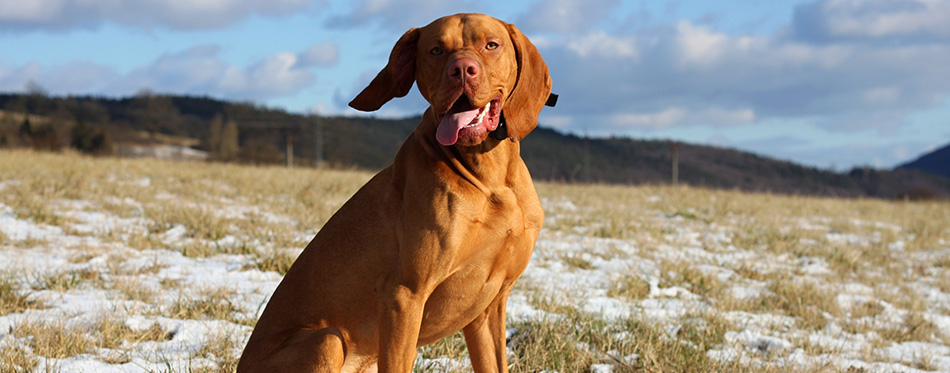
(399, 324)
(485, 338)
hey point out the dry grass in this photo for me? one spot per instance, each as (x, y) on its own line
(224, 350)
(54, 340)
(12, 299)
(576, 262)
(131, 289)
(573, 343)
(275, 260)
(17, 359)
(808, 301)
(453, 345)
(630, 287)
(212, 304)
(914, 328)
(66, 280)
(688, 276)
(61, 339)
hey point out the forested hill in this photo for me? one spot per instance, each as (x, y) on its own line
(244, 132)
(936, 162)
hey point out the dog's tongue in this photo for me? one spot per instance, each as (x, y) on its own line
(452, 123)
(448, 132)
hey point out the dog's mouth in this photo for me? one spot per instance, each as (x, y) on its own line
(464, 120)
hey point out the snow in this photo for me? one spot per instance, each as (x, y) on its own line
(16, 229)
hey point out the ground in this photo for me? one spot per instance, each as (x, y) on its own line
(144, 265)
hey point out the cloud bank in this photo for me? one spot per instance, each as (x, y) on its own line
(849, 74)
(198, 70)
(172, 14)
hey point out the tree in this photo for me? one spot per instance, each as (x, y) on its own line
(33, 88)
(213, 140)
(25, 128)
(92, 140)
(26, 132)
(228, 148)
(154, 112)
(37, 99)
(91, 112)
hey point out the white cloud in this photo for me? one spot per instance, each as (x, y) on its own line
(680, 116)
(275, 76)
(200, 70)
(400, 15)
(175, 14)
(555, 121)
(661, 119)
(881, 95)
(873, 20)
(712, 77)
(698, 45)
(725, 117)
(566, 15)
(323, 54)
(601, 45)
(69, 78)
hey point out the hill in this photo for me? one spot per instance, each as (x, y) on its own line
(936, 162)
(260, 134)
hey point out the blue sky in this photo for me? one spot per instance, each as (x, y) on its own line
(827, 83)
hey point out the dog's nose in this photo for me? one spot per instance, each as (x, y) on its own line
(463, 69)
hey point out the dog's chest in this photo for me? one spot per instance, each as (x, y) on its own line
(462, 297)
(500, 250)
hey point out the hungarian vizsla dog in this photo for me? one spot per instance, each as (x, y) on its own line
(433, 243)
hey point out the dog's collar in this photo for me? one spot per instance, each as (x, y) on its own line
(501, 132)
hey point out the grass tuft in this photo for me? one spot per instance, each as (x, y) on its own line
(11, 298)
(630, 287)
(213, 304)
(223, 349)
(275, 260)
(16, 358)
(805, 300)
(66, 280)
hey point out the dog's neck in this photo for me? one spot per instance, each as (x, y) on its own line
(480, 164)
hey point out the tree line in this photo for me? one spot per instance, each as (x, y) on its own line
(251, 133)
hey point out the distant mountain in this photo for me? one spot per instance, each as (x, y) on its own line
(265, 134)
(551, 155)
(936, 162)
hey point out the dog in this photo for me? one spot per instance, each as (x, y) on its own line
(433, 243)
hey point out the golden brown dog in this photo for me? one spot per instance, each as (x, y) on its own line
(433, 243)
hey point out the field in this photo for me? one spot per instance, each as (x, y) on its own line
(145, 265)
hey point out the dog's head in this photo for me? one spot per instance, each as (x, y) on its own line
(472, 69)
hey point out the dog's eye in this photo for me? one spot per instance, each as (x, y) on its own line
(491, 45)
(435, 51)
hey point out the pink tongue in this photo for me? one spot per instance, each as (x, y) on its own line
(448, 131)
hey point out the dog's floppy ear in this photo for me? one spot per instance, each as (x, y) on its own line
(531, 91)
(394, 80)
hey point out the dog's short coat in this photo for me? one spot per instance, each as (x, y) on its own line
(433, 243)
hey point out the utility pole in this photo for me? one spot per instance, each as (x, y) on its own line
(290, 149)
(586, 158)
(676, 161)
(317, 141)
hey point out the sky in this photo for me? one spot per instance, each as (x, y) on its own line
(833, 84)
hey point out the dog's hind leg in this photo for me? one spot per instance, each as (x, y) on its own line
(306, 350)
